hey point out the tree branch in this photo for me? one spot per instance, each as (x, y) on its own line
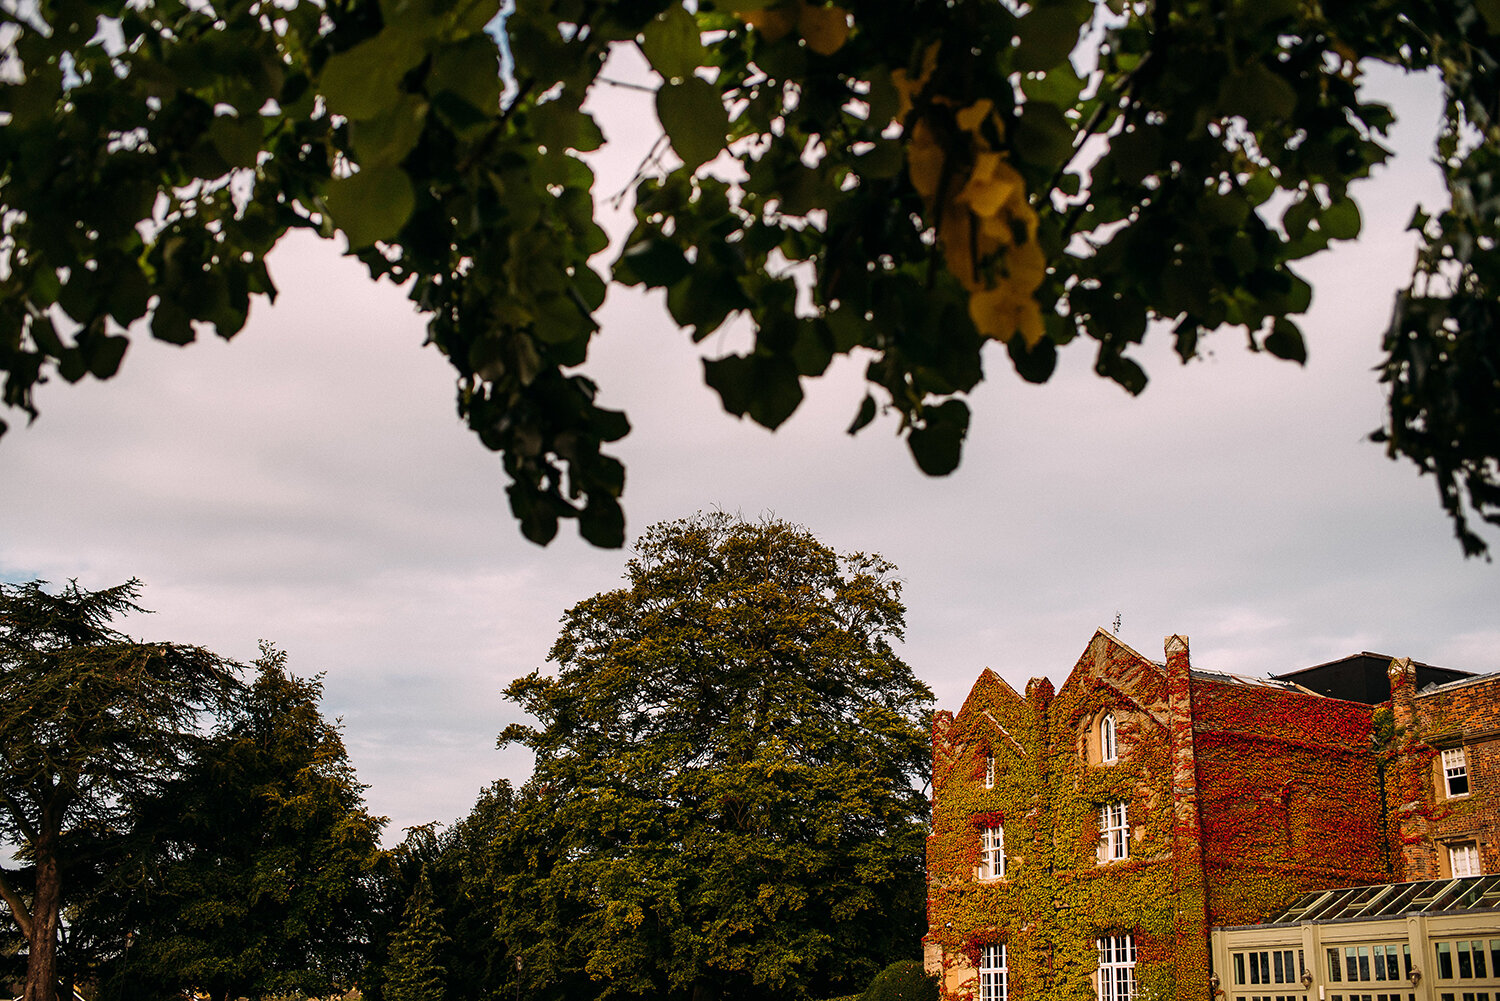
(18, 909)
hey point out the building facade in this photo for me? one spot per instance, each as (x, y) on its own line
(1086, 841)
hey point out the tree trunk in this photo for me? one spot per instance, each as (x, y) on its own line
(41, 962)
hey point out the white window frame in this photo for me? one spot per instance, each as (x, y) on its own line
(1463, 859)
(1116, 980)
(992, 852)
(989, 771)
(1114, 831)
(994, 979)
(1109, 743)
(1455, 767)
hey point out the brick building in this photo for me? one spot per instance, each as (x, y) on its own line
(1086, 841)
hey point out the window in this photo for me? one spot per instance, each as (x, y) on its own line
(1267, 967)
(1463, 859)
(989, 771)
(991, 852)
(1469, 958)
(992, 973)
(1114, 832)
(1455, 772)
(1117, 968)
(1108, 748)
(1369, 962)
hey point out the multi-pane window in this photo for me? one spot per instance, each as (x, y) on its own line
(1117, 968)
(1355, 963)
(1268, 967)
(1114, 832)
(1455, 772)
(989, 771)
(991, 852)
(993, 985)
(1108, 746)
(1387, 997)
(1464, 960)
(1463, 859)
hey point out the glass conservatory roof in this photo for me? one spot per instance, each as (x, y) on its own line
(1388, 900)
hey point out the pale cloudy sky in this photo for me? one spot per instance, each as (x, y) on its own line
(310, 484)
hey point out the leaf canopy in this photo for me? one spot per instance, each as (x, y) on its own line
(910, 183)
(727, 799)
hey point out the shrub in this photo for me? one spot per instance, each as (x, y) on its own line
(903, 981)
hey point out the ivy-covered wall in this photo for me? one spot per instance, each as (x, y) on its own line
(1230, 787)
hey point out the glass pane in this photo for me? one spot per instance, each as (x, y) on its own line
(1444, 963)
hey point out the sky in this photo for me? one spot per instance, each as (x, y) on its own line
(311, 484)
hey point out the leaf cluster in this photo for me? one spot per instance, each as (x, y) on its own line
(1167, 165)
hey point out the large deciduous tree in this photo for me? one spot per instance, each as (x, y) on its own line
(90, 723)
(938, 175)
(256, 876)
(727, 799)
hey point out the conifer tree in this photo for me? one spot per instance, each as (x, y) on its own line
(415, 971)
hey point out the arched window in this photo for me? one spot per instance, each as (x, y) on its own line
(1108, 745)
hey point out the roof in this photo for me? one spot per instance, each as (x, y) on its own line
(1362, 677)
(1389, 900)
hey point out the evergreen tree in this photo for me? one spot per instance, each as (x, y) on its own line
(258, 878)
(415, 971)
(90, 723)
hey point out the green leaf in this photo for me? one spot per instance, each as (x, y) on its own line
(653, 262)
(371, 205)
(1258, 94)
(693, 115)
(469, 70)
(105, 354)
(363, 82)
(1047, 37)
(1285, 341)
(865, 416)
(766, 389)
(938, 444)
(1341, 220)
(384, 141)
(1043, 135)
(171, 323)
(238, 140)
(672, 44)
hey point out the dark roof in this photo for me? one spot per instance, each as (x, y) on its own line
(1362, 677)
(1389, 900)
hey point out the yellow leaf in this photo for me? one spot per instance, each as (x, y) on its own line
(1031, 326)
(969, 119)
(924, 161)
(1026, 266)
(989, 188)
(994, 312)
(824, 28)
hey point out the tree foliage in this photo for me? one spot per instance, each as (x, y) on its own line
(257, 879)
(90, 724)
(726, 799)
(937, 175)
(415, 971)
(904, 980)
